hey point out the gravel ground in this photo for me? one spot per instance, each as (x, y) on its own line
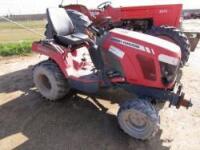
(27, 121)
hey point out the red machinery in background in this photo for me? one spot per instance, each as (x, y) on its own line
(156, 15)
(163, 21)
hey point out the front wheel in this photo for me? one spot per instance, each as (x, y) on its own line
(139, 119)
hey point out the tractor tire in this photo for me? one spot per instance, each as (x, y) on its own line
(173, 34)
(50, 81)
(139, 119)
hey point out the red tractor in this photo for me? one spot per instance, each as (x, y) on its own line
(162, 21)
(139, 63)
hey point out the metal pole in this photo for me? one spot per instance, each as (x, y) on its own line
(62, 1)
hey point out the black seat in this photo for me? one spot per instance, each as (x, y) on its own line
(62, 29)
(72, 39)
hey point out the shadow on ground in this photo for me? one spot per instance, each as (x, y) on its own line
(74, 123)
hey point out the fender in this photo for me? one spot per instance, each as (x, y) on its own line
(59, 56)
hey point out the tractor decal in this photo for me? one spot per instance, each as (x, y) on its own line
(116, 51)
(163, 11)
(133, 45)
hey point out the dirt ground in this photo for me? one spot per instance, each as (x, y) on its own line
(29, 122)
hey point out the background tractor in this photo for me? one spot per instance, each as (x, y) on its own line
(163, 21)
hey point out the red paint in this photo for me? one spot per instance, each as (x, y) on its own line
(64, 60)
(159, 14)
(132, 62)
(131, 65)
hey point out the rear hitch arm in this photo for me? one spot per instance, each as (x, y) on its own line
(179, 99)
(183, 102)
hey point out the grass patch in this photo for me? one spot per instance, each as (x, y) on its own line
(17, 41)
(17, 48)
(11, 33)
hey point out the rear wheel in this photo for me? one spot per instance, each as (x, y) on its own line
(139, 119)
(174, 35)
(50, 81)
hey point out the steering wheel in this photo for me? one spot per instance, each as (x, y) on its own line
(104, 5)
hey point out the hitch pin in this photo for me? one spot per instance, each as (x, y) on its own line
(184, 102)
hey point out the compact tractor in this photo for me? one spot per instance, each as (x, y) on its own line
(102, 58)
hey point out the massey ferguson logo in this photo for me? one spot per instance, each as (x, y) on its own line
(133, 45)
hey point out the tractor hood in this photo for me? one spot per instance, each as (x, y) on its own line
(142, 59)
(164, 44)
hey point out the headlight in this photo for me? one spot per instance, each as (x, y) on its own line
(168, 73)
(169, 67)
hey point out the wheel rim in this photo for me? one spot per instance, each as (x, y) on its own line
(44, 82)
(134, 122)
